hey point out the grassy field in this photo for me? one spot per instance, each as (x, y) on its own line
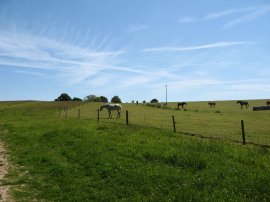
(223, 121)
(71, 159)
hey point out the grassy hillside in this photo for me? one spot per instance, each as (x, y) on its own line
(58, 159)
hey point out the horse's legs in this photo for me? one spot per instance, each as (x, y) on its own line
(118, 114)
(110, 113)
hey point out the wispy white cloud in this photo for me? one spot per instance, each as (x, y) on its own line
(206, 46)
(76, 63)
(136, 28)
(248, 17)
(243, 15)
(212, 16)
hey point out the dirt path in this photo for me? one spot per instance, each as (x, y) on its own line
(4, 189)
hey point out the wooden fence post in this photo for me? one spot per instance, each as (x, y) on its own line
(126, 117)
(97, 115)
(243, 132)
(79, 113)
(174, 129)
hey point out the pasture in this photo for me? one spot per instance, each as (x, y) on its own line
(70, 159)
(197, 118)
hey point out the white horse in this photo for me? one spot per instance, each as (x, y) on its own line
(111, 107)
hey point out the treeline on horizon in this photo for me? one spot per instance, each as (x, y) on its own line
(90, 98)
(94, 98)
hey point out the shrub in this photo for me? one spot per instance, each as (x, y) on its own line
(154, 100)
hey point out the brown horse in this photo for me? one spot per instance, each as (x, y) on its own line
(182, 104)
(212, 104)
(243, 103)
(267, 103)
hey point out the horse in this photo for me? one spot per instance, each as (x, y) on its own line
(243, 103)
(267, 103)
(111, 107)
(212, 104)
(182, 104)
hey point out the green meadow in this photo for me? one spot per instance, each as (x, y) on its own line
(197, 118)
(59, 158)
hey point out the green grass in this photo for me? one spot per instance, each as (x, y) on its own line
(197, 118)
(58, 159)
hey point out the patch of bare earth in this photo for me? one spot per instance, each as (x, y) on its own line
(4, 189)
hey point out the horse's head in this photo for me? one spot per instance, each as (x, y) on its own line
(101, 108)
(238, 102)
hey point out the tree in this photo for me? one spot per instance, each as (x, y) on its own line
(90, 98)
(154, 100)
(103, 99)
(116, 99)
(63, 97)
(94, 98)
(76, 99)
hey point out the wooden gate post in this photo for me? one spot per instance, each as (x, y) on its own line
(126, 117)
(97, 115)
(243, 132)
(174, 129)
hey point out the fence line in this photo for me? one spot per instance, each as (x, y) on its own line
(178, 126)
(191, 134)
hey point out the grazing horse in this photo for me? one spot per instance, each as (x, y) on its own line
(267, 103)
(111, 107)
(243, 103)
(212, 104)
(182, 104)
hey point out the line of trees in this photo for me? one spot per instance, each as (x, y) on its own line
(66, 97)
(94, 98)
(88, 98)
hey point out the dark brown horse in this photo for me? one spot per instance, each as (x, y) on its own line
(212, 104)
(267, 103)
(243, 103)
(182, 104)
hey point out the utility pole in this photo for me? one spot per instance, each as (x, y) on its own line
(166, 93)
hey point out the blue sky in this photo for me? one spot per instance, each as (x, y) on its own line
(202, 50)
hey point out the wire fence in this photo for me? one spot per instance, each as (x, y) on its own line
(246, 132)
